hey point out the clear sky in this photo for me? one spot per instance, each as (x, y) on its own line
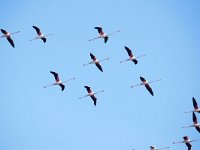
(34, 118)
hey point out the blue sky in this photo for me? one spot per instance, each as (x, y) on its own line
(46, 119)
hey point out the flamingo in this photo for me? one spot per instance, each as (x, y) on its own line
(196, 108)
(187, 141)
(40, 35)
(96, 62)
(196, 124)
(91, 94)
(154, 148)
(146, 84)
(102, 34)
(58, 81)
(132, 57)
(7, 35)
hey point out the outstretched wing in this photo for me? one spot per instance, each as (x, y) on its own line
(135, 61)
(195, 103)
(4, 31)
(99, 29)
(92, 56)
(44, 39)
(99, 67)
(94, 100)
(129, 51)
(55, 75)
(189, 146)
(194, 118)
(88, 89)
(10, 41)
(37, 30)
(142, 79)
(105, 39)
(62, 86)
(149, 89)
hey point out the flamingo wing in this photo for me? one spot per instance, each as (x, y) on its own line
(62, 86)
(37, 30)
(142, 79)
(194, 117)
(88, 89)
(55, 75)
(10, 41)
(189, 146)
(44, 39)
(129, 51)
(92, 56)
(198, 129)
(135, 61)
(185, 138)
(94, 100)
(105, 39)
(195, 103)
(4, 31)
(99, 29)
(99, 67)
(149, 89)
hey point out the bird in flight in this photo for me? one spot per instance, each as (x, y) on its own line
(8, 36)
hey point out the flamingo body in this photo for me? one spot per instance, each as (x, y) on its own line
(58, 81)
(102, 34)
(40, 34)
(146, 84)
(132, 57)
(91, 94)
(7, 35)
(96, 62)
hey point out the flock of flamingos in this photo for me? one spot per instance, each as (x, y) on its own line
(95, 61)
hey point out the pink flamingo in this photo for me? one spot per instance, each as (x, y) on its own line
(8, 36)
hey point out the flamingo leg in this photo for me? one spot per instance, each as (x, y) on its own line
(95, 38)
(49, 85)
(83, 97)
(88, 63)
(163, 148)
(99, 92)
(103, 59)
(113, 33)
(124, 60)
(68, 80)
(141, 56)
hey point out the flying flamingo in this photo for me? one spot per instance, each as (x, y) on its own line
(146, 84)
(196, 124)
(96, 62)
(7, 35)
(154, 148)
(196, 108)
(102, 34)
(58, 81)
(91, 94)
(132, 57)
(40, 35)
(187, 141)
